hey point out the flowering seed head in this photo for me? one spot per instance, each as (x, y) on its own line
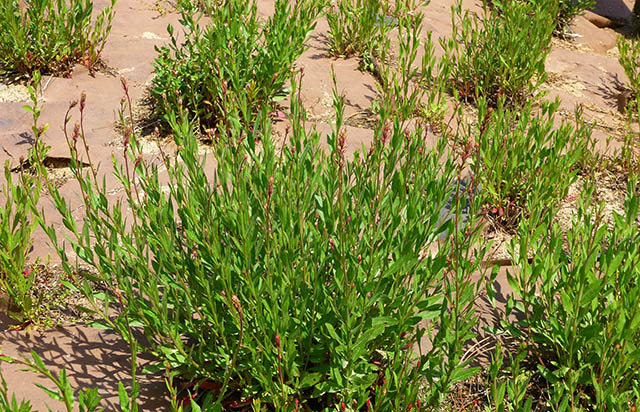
(123, 81)
(270, 187)
(76, 132)
(236, 303)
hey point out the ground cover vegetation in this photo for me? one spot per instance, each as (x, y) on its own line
(357, 27)
(17, 225)
(275, 275)
(630, 61)
(51, 36)
(235, 58)
(569, 10)
(501, 52)
(566, 12)
(518, 158)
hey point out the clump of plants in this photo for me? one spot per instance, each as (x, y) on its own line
(17, 223)
(569, 10)
(51, 35)
(285, 278)
(16, 226)
(206, 6)
(518, 158)
(357, 27)
(235, 66)
(577, 295)
(501, 53)
(415, 86)
(630, 61)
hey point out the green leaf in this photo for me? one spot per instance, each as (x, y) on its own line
(567, 303)
(461, 374)
(310, 379)
(370, 334)
(98, 324)
(195, 407)
(53, 394)
(332, 333)
(124, 398)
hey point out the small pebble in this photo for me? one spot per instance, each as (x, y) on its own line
(151, 36)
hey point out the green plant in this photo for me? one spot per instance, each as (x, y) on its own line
(578, 294)
(11, 404)
(357, 27)
(193, 6)
(628, 155)
(16, 227)
(501, 53)
(519, 156)
(569, 10)
(630, 61)
(235, 66)
(87, 400)
(51, 35)
(17, 223)
(289, 277)
(507, 384)
(413, 88)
